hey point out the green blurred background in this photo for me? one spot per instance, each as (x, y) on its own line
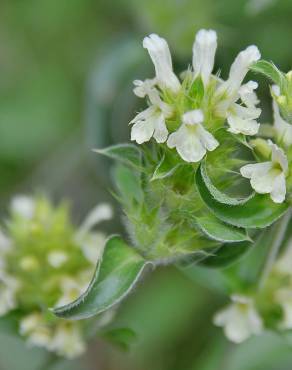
(66, 71)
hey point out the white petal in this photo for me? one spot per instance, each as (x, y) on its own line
(101, 212)
(142, 88)
(160, 130)
(278, 156)
(155, 99)
(57, 258)
(193, 117)
(159, 52)
(240, 320)
(67, 341)
(263, 183)
(23, 205)
(187, 144)
(240, 68)
(142, 131)
(247, 95)
(243, 126)
(92, 246)
(283, 129)
(144, 115)
(258, 168)
(207, 139)
(284, 298)
(204, 50)
(247, 113)
(278, 192)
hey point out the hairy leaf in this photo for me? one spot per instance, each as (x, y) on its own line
(128, 154)
(115, 276)
(226, 254)
(256, 211)
(165, 168)
(215, 229)
(268, 69)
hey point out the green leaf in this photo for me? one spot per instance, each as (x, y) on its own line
(128, 183)
(165, 168)
(220, 231)
(121, 337)
(256, 211)
(115, 276)
(269, 70)
(226, 254)
(128, 154)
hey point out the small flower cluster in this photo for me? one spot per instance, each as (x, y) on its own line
(178, 116)
(186, 115)
(269, 308)
(45, 262)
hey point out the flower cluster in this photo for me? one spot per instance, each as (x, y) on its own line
(187, 115)
(180, 112)
(270, 307)
(46, 262)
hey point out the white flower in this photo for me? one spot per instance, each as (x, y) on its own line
(242, 119)
(142, 88)
(102, 212)
(191, 140)
(238, 70)
(284, 298)
(72, 288)
(8, 288)
(92, 246)
(92, 243)
(159, 52)
(283, 129)
(57, 258)
(23, 206)
(269, 177)
(204, 50)
(240, 319)
(151, 121)
(65, 338)
(67, 341)
(35, 329)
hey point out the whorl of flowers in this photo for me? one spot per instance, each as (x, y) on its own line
(185, 115)
(45, 262)
(269, 308)
(205, 184)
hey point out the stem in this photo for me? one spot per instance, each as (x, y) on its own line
(280, 230)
